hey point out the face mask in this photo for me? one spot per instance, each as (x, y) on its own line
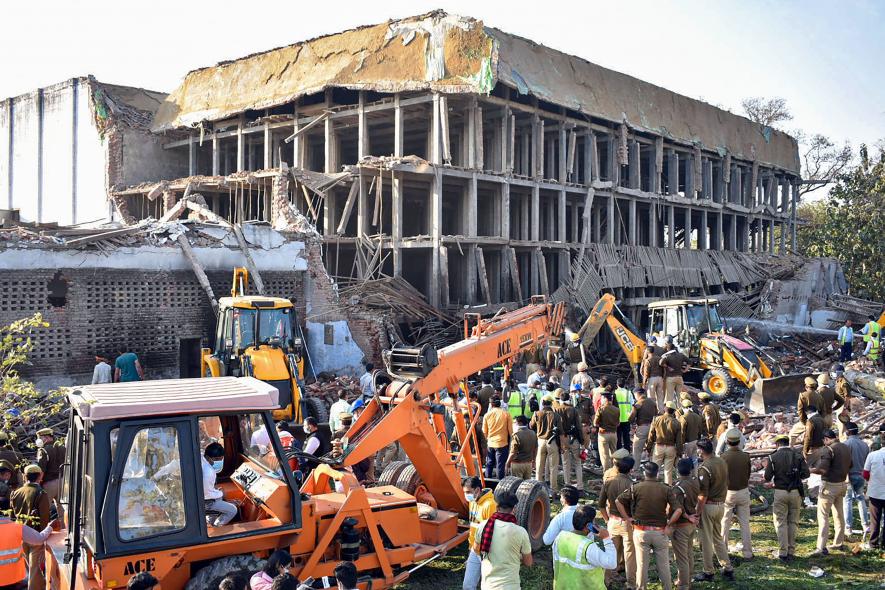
(470, 497)
(39, 443)
(305, 429)
(217, 466)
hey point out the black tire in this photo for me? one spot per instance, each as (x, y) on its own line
(717, 379)
(508, 485)
(409, 480)
(533, 510)
(209, 577)
(391, 473)
(316, 408)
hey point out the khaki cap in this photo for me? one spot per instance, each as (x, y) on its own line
(781, 437)
(575, 336)
(45, 432)
(670, 404)
(823, 379)
(686, 403)
(733, 435)
(582, 366)
(704, 395)
(345, 416)
(547, 398)
(3, 435)
(32, 469)
(620, 454)
(811, 381)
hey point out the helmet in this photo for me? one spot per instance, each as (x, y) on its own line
(575, 337)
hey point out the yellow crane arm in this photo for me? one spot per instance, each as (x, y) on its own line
(603, 313)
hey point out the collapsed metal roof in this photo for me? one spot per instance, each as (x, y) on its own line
(455, 54)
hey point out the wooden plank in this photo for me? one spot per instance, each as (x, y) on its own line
(483, 276)
(102, 236)
(514, 273)
(348, 205)
(307, 127)
(198, 270)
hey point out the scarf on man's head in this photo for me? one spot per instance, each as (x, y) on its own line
(485, 539)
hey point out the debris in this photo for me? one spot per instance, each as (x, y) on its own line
(816, 572)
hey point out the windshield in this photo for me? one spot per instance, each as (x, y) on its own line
(697, 318)
(257, 444)
(243, 328)
(275, 327)
(715, 320)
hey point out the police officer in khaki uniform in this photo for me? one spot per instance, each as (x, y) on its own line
(613, 470)
(683, 522)
(645, 507)
(737, 499)
(833, 462)
(621, 532)
(843, 390)
(813, 439)
(13, 457)
(693, 429)
(830, 400)
(713, 484)
(710, 412)
(51, 458)
(607, 421)
(643, 414)
(787, 468)
(30, 506)
(572, 441)
(665, 438)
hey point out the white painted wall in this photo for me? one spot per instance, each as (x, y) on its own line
(343, 356)
(52, 159)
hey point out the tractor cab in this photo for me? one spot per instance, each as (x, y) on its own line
(687, 320)
(135, 475)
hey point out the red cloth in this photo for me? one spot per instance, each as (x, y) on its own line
(485, 540)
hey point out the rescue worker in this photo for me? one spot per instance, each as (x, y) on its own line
(786, 468)
(833, 464)
(674, 364)
(624, 401)
(814, 434)
(573, 353)
(14, 537)
(693, 429)
(481, 505)
(809, 397)
(11, 456)
(873, 349)
(582, 378)
(713, 487)
(831, 401)
(737, 499)
(51, 458)
(845, 340)
(683, 522)
(665, 437)
(30, 506)
(579, 562)
(546, 424)
(643, 413)
(871, 327)
(571, 443)
(653, 376)
(621, 533)
(645, 507)
(523, 449)
(607, 420)
(710, 412)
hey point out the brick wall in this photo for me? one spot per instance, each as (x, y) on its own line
(145, 311)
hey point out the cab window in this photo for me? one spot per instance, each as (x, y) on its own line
(671, 321)
(243, 328)
(257, 444)
(275, 327)
(151, 500)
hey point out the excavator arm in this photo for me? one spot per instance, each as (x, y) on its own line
(409, 409)
(605, 312)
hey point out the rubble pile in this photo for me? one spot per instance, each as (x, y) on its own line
(327, 386)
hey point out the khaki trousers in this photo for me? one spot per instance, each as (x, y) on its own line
(737, 505)
(547, 463)
(622, 535)
(571, 463)
(53, 491)
(646, 542)
(35, 556)
(654, 389)
(521, 470)
(712, 540)
(828, 420)
(683, 551)
(672, 388)
(608, 443)
(785, 508)
(639, 440)
(665, 457)
(830, 500)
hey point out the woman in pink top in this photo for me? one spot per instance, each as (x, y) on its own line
(278, 563)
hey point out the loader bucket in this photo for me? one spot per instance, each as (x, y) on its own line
(766, 394)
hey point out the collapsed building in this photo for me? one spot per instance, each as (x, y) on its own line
(474, 165)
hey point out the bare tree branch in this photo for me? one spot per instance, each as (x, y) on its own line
(766, 111)
(822, 161)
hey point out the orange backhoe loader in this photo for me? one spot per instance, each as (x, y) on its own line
(134, 480)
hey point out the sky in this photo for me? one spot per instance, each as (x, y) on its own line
(825, 58)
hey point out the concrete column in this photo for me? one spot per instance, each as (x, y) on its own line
(562, 173)
(782, 246)
(658, 165)
(771, 236)
(297, 146)
(575, 222)
(672, 172)
(597, 224)
(718, 243)
(560, 216)
(732, 238)
(653, 224)
(610, 219)
(330, 163)
(588, 152)
(435, 125)
(397, 127)
(687, 241)
(535, 219)
(689, 176)
(241, 145)
(632, 224)
(505, 211)
(436, 237)
(635, 172)
(703, 243)
(671, 224)
(362, 144)
(397, 224)
(525, 217)
(794, 203)
(192, 154)
(470, 207)
(216, 155)
(594, 156)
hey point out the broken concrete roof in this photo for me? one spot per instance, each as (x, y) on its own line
(455, 54)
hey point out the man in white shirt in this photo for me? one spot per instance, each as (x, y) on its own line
(537, 378)
(367, 383)
(722, 444)
(874, 473)
(102, 372)
(218, 512)
(339, 407)
(563, 521)
(845, 338)
(260, 439)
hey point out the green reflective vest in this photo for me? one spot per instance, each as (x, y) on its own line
(875, 348)
(571, 571)
(624, 399)
(872, 326)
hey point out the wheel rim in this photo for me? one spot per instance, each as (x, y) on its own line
(537, 519)
(717, 385)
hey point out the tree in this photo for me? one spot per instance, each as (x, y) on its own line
(848, 226)
(766, 111)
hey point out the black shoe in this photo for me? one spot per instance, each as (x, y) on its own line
(702, 577)
(784, 558)
(728, 575)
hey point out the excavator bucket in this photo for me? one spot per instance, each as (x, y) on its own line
(767, 394)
